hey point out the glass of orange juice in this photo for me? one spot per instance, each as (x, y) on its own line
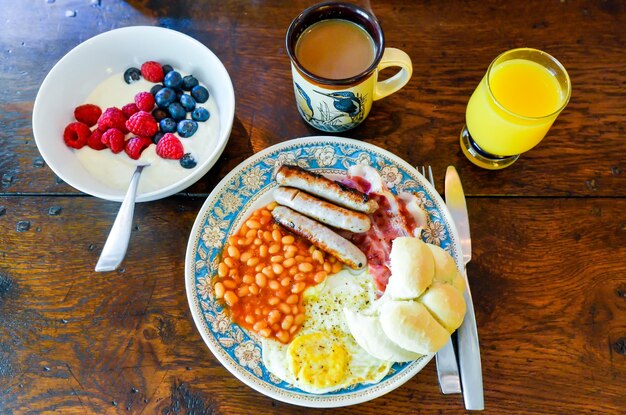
(513, 107)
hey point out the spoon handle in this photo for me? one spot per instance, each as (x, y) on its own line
(117, 242)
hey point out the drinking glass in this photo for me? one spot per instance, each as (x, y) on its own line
(513, 107)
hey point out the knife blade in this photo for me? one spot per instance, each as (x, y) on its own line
(469, 350)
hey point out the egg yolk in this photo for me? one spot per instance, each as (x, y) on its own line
(317, 360)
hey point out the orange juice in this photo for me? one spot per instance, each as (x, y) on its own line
(514, 106)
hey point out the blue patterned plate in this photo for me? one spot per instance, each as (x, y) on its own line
(248, 187)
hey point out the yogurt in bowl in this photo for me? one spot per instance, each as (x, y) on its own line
(115, 169)
(89, 74)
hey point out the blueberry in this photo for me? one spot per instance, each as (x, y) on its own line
(187, 128)
(159, 114)
(187, 102)
(187, 161)
(157, 137)
(199, 93)
(167, 125)
(189, 82)
(165, 97)
(156, 88)
(200, 114)
(173, 80)
(167, 69)
(177, 112)
(132, 75)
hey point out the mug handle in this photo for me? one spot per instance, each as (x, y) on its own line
(393, 57)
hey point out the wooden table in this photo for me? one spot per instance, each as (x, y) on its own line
(549, 233)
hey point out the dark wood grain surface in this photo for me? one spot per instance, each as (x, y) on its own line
(549, 233)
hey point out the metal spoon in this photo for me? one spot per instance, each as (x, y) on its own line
(117, 242)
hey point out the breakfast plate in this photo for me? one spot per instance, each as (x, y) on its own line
(248, 187)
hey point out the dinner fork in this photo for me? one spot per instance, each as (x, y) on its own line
(447, 366)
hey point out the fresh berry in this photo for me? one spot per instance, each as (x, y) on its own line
(112, 118)
(87, 114)
(189, 82)
(129, 109)
(76, 134)
(144, 101)
(157, 137)
(135, 146)
(156, 88)
(104, 137)
(167, 68)
(188, 103)
(188, 162)
(95, 140)
(167, 125)
(114, 139)
(132, 75)
(200, 93)
(165, 97)
(200, 114)
(177, 112)
(170, 147)
(152, 71)
(173, 80)
(142, 123)
(187, 128)
(159, 114)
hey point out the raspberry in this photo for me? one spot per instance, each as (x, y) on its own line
(142, 123)
(76, 134)
(87, 114)
(170, 147)
(135, 146)
(129, 109)
(112, 118)
(95, 140)
(144, 101)
(114, 139)
(152, 71)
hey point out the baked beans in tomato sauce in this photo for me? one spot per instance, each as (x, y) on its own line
(263, 273)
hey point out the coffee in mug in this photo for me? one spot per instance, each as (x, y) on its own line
(336, 52)
(335, 49)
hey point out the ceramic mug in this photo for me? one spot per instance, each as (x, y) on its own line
(335, 105)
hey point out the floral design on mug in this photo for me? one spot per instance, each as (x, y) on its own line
(344, 109)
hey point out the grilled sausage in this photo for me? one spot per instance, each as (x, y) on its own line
(321, 210)
(320, 236)
(293, 176)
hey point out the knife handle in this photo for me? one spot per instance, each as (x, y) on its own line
(469, 358)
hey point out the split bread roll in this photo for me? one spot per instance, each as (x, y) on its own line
(422, 305)
(370, 336)
(411, 326)
(412, 268)
(445, 268)
(446, 304)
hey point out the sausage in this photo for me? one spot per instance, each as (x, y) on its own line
(321, 210)
(293, 176)
(320, 236)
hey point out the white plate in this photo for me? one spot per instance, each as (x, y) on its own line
(248, 187)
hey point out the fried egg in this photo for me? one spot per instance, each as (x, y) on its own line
(324, 357)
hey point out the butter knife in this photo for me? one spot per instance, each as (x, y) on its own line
(469, 350)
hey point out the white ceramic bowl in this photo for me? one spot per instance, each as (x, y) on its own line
(75, 76)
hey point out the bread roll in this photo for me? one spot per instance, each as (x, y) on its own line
(412, 268)
(446, 304)
(445, 268)
(368, 333)
(411, 326)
